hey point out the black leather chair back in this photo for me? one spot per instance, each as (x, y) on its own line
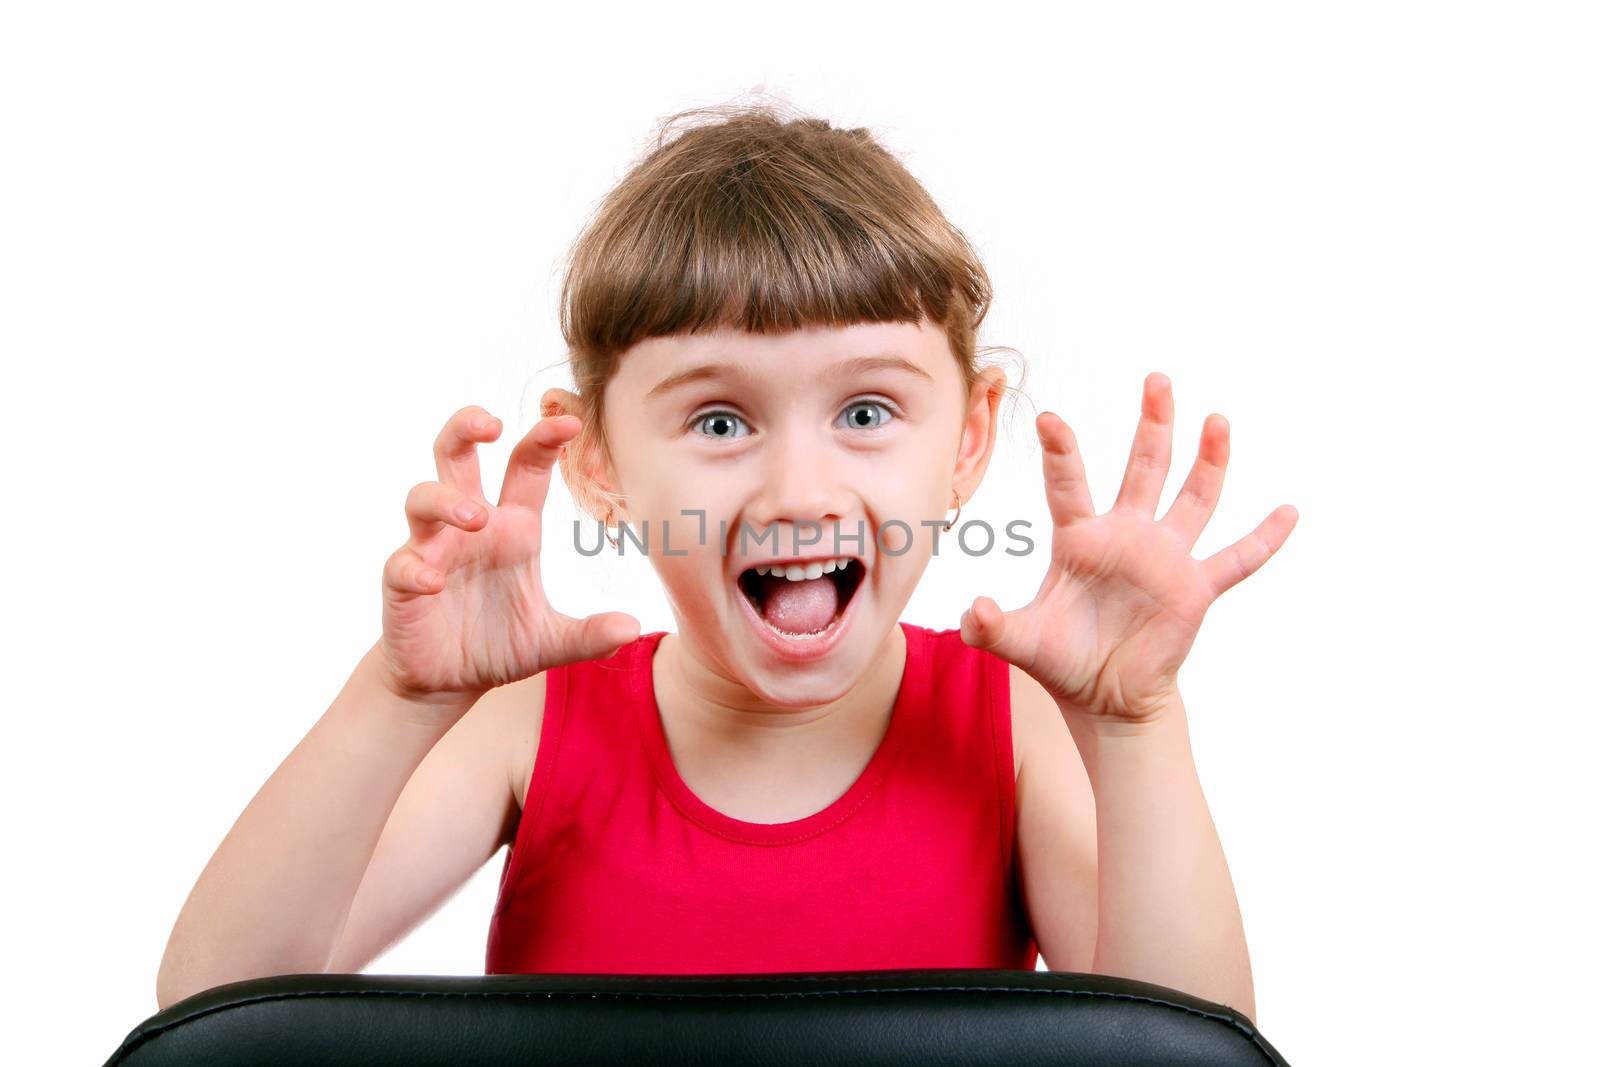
(900, 1017)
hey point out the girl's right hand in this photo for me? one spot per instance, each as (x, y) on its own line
(463, 608)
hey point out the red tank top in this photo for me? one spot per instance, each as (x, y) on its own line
(619, 868)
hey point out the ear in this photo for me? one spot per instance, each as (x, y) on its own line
(583, 464)
(978, 430)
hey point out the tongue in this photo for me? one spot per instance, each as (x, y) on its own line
(800, 607)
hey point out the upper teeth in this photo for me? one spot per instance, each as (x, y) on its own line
(799, 572)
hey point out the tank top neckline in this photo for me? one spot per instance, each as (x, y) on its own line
(909, 699)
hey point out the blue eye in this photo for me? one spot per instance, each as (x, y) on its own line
(719, 424)
(866, 415)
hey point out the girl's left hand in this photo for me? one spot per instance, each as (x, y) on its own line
(1123, 598)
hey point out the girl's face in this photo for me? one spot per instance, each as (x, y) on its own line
(821, 445)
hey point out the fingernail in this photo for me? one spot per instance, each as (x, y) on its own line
(466, 512)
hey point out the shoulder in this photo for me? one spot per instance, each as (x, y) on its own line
(1043, 741)
(516, 715)
(519, 706)
(1036, 722)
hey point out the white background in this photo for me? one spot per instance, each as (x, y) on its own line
(254, 257)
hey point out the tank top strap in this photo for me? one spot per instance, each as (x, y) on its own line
(969, 736)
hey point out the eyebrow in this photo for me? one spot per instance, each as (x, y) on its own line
(848, 367)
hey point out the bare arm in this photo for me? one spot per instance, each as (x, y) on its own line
(275, 895)
(278, 894)
(1055, 836)
(455, 813)
(1167, 908)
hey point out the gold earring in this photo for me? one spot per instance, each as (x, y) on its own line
(951, 522)
(609, 516)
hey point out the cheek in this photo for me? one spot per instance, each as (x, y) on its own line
(692, 517)
(908, 486)
(662, 487)
(692, 578)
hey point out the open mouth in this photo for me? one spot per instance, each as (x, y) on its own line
(800, 598)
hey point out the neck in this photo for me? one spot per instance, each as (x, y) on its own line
(698, 697)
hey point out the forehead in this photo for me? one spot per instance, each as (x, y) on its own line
(800, 354)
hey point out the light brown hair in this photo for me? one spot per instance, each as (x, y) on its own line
(751, 216)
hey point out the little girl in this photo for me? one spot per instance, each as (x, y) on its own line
(777, 398)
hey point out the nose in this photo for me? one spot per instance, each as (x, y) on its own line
(799, 483)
